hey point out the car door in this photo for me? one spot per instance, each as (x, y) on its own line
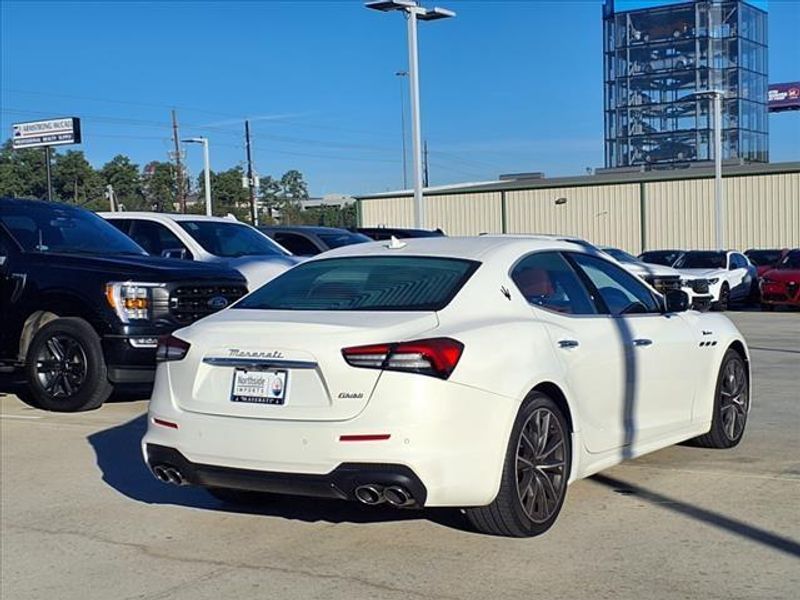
(586, 344)
(659, 348)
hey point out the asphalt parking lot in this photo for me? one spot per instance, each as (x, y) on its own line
(83, 518)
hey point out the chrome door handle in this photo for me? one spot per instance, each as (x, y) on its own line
(568, 343)
(642, 342)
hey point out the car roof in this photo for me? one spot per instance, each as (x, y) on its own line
(34, 203)
(305, 228)
(156, 216)
(474, 247)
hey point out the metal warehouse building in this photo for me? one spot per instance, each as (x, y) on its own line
(632, 210)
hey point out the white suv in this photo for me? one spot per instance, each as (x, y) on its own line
(730, 274)
(207, 239)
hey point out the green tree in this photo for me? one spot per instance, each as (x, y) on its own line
(227, 193)
(22, 172)
(159, 186)
(123, 175)
(75, 180)
(269, 198)
(293, 190)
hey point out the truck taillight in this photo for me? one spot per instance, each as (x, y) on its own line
(171, 348)
(436, 356)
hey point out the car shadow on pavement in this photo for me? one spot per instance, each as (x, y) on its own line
(119, 458)
(715, 519)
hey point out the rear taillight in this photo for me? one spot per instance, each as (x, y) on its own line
(171, 348)
(436, 356)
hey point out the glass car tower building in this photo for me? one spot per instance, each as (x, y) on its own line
(655, 62)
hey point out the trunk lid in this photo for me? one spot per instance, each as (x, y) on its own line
(306, 345)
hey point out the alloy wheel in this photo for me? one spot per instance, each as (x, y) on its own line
(734, 399)
(541, 465)
(61, 366)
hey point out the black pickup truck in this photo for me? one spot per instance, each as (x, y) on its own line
(82, 306)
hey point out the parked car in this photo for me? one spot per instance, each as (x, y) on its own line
(385, 233)
(663, 278)
(310, 241)
(476, 372)
(218, 240)
(731, 276)
(82, 305)
(764, 260)
(667, 258)
(781, 286)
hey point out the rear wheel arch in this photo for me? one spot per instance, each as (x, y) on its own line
(738, 347)
(557, 395)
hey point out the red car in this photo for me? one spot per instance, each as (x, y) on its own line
(781, 285)
(764, 260)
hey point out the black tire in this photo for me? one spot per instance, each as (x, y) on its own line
(65, 368)
(515, 514)
(729, 403)
(236, 497)
(724, 298)
(767, 307)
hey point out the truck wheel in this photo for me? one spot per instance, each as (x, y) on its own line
(65, 368)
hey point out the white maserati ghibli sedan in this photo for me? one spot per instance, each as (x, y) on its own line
(485, 373)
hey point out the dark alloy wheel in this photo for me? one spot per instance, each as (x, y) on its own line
(724, 298)
(535, 473)
(731, 404)
(65, 367)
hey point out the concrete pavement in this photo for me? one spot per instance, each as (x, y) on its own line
(82, 518)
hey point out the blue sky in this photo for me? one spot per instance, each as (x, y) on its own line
(506, 86)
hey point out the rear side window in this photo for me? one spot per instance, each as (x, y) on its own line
(296, 244)
(359, 283)
(546, 279)
(621, 291)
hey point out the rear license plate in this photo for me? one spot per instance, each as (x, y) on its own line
(259, 387)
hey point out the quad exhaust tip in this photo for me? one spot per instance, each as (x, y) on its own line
(167, 474)
(373, 494)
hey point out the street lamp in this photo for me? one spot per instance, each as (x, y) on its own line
(719, 208)
(207, 168)
(413, 13)
(403, 127)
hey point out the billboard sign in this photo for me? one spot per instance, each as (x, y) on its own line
(784, 96)
(53, 132)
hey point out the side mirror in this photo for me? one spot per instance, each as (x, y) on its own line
(174, 253)
(676, 301)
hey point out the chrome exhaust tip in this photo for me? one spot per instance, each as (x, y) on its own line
(398, 497)
(161, 474)
(369, 494)
(174, 476)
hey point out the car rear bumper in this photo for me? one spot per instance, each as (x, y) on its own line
(340, 483)
(452, 438)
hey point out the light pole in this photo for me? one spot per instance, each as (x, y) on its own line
(403, 126)
(719, 190)
(413, 13)
(206, 168)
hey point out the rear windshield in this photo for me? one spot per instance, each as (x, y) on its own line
(764, 258)
(345, 238)
(376, 283)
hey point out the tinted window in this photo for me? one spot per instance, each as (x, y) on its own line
(546, 279)
(124, 225)
(231, 239)
(791, 260)
(660, 257)
(156, 238)
(621, 291)
(345, 238)
(296, 243)
(702, 260)
(59, 228)
(621, 255)
(764, 258)
(738, 261)
(365, 283)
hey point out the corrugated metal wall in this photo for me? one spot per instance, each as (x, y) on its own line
(606, 215)
(761, 211)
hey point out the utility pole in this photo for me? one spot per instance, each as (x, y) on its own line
(251, 184)
(180, 197)
(49, 174)
(403, 126)
(425, 167)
